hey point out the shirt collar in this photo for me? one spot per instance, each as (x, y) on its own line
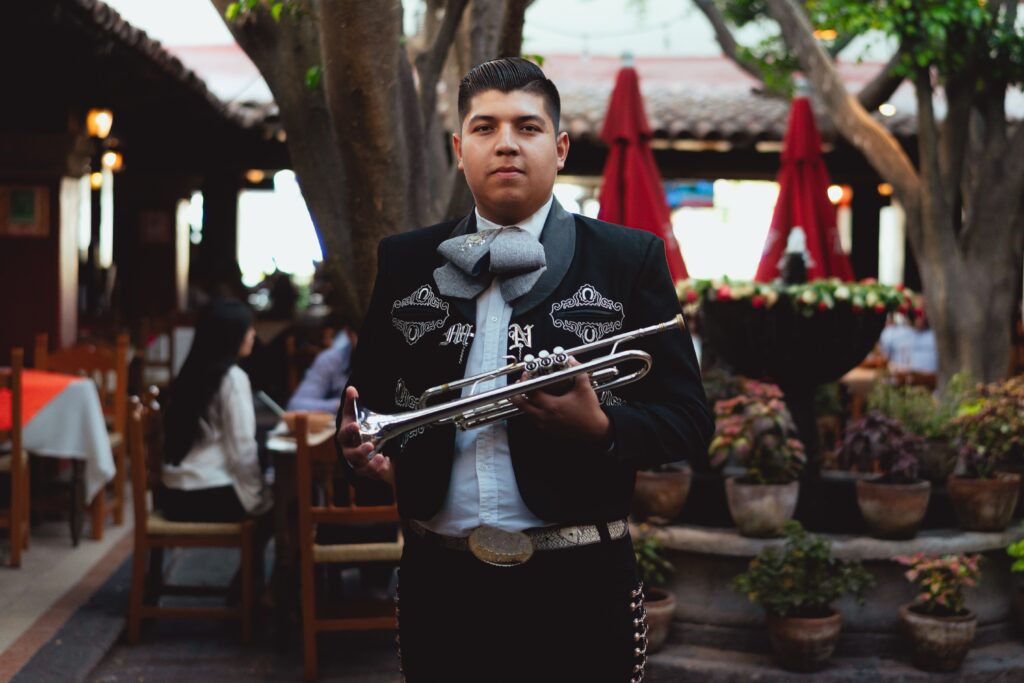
(533, 225)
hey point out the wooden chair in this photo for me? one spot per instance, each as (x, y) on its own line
(153, 534)
(108, 367)
(353, 617)
(15, 463)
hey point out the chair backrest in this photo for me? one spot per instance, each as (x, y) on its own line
(10, 380)
(315, 469)
(107, 366)
(145, 449)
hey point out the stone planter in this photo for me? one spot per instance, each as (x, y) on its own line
(893, 510)
(760, 510)
(659, 497)
(939, 643)
(804, 644)
(984, 504)
(661, 607)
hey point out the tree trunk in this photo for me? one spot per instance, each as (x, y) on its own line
(969, 303)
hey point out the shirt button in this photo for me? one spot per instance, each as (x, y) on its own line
(494, 318)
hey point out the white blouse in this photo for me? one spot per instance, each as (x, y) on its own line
(225, 451)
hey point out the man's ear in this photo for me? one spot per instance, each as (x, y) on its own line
(562, 148)
(457, 146)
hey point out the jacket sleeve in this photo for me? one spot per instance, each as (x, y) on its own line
(664, 416)
(370, 354)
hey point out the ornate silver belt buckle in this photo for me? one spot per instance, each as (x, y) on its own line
(500, 548)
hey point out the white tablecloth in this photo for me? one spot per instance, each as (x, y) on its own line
(71, 425)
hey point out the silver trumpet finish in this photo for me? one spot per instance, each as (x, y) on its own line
(476, 410)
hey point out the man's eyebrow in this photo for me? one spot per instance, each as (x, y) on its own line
(487, 118)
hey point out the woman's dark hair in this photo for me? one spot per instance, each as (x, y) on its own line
(220, 331)
(506, 75)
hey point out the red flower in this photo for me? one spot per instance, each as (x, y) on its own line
(900, 287)
(822, 306)
(691, 296)
(868, 281)
(757, 301)
(857, 308)
(724, 292)
(879, 308)
(903, 308)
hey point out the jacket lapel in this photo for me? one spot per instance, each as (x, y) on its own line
(559, 241)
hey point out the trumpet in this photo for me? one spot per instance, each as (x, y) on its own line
(547, 369)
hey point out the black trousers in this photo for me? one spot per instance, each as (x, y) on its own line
(565, 615)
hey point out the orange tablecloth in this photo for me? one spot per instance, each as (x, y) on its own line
(38, 388)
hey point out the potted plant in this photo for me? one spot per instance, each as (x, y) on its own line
(988, 432)
(893, 503)
(938, 623)
(927, 415)
(796, 586)
(654, 570)
(659, 494)
(754, 432)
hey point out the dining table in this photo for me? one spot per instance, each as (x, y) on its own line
(62, 418)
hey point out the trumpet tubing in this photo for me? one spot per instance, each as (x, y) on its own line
(479, 409)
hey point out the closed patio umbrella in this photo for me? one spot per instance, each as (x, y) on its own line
(803, 201)
(631, 192)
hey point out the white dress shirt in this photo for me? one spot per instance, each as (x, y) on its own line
(483, 488)
(225, 452)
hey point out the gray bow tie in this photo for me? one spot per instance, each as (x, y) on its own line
(511, 254)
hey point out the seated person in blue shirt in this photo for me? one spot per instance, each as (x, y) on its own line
(910, 347)
(324, 381)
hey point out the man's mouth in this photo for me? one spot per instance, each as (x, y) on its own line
(507, 171)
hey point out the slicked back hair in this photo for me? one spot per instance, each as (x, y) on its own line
(506, 75)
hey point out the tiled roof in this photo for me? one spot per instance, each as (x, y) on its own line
(697, 98)
(108, 20)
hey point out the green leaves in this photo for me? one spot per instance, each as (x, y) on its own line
(652, 566)
(536, 59)
(277, 8)
(802, 578)
(314, 75)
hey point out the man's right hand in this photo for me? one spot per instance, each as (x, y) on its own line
(352, 448)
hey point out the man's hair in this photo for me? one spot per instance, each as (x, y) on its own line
(506, 75)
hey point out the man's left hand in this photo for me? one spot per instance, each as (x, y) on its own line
(576, 413)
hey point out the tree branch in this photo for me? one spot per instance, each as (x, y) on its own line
(430, 63)
(882, 150)
(882, 86)
(955, 134)
(510, 44)
(730, 48)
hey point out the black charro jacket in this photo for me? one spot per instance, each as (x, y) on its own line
(601, 280)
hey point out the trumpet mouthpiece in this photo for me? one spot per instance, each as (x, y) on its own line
(680, 322)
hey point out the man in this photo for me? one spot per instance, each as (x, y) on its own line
(324, 381)
(518, 564)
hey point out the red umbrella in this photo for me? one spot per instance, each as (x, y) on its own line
(631, 193)
(803, 201)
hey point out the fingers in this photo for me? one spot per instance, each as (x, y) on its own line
(349, 412)
(378, 466)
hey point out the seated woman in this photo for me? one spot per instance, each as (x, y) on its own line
(211, 470)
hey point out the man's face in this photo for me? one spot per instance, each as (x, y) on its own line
(510, 153)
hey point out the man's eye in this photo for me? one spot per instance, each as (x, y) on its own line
(480, 129)
(532, 128)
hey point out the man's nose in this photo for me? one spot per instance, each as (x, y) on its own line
(507, 143)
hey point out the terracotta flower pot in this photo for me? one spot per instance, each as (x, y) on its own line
(760, 510)
(659, 497)
(661, 608)
(984, 504)
(804, 644)
(893, 510)
(939, 643)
